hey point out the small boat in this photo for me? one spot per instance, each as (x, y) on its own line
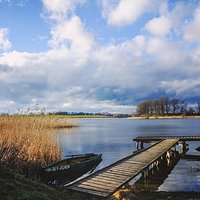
(71, 168)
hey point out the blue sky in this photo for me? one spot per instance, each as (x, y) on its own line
(97, 56)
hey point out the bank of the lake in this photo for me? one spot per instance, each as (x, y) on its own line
(14, 186)
(166, 117)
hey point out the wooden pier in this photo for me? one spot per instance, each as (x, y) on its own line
(148, 139)
(157, 138)
(106, 181)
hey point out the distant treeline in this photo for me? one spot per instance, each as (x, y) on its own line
(106, 114)
(164, 106)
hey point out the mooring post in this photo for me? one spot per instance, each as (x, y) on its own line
(146, 172)
(168, 157)
(137, 145)
(157, 165)
(175, 147)
(183, 146)
(141, 145)
(168, 154)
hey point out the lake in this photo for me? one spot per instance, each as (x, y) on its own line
(113, 138)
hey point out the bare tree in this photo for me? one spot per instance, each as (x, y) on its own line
(156, 107)
(175, 105)
(190, 111)
(198, 108)
(183, 107)
(144, 108)
(164, 105)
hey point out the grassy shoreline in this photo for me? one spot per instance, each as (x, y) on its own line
(166, 117)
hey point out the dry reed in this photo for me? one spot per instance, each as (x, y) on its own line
(28, 141)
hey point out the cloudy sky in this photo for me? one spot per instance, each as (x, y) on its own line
(97, 55)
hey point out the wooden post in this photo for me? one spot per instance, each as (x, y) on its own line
(141, 145)
(183, 146)
(168, 154)
(168, 157)
(137, 145)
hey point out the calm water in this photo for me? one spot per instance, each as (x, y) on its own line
(113, 139)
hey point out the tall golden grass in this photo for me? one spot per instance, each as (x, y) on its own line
(28, 141)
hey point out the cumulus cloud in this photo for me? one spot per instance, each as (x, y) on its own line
(125, 12)
(170, 20)
(167, 53)
(187, 88)
(159, 26)
(192, 30)
(72, 34)
(68, 31)
(5, 44)
(113, 78)
(59, 9)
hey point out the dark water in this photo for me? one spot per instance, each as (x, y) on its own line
(113, 139)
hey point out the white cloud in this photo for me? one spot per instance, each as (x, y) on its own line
(68, 32)
(17, 59)
(168, 54)
(170, 20)
(125, 12)
(109, 80)
(159, 26)
(94, 105)
(187, 88)
(192, 30)
(5, 44)
(58, 9)
(71, 33)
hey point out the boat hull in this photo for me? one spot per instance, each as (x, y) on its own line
(70, 171)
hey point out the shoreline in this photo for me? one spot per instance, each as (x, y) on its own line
(166, 117)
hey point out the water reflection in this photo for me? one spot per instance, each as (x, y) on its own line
(179, 173)
(184, 177)
(157, 175)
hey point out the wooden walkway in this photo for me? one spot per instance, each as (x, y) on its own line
(157, 138)
(107, 180)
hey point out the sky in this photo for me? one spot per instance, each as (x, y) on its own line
(97, 55)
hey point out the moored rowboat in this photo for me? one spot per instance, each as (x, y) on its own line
(71, 167)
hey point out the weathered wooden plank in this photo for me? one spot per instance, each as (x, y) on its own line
(103, 180)
(135, 162)
(109, 175)
(112, 177)
(105, 189)
(118, 174)
(120, 171)
(93, 192)
(96, 184)
(126, 168)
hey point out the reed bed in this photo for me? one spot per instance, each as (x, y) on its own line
(28, 141)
